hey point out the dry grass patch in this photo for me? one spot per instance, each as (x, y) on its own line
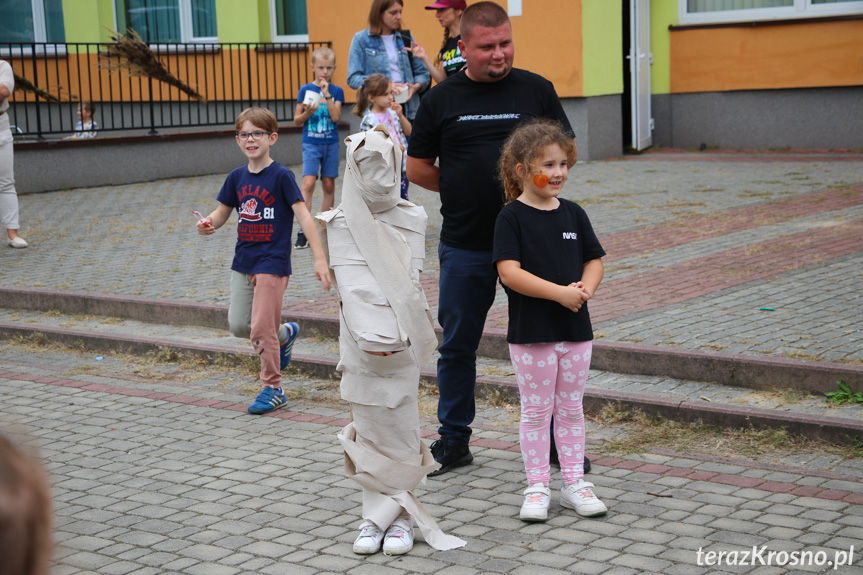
(428, 396)
(803, 355)
(645, 433)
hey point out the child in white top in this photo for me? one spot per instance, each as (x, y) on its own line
(550, 263)
(375, 105)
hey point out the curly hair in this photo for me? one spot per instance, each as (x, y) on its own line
(524, 146)
(439, 57)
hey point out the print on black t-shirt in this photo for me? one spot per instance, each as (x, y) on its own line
(464, 124)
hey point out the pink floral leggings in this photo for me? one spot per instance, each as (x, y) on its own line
(552, 375)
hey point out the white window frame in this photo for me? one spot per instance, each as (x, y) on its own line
(274, 28)
(40, 34)
(800, 9)
(187, 30)
(40, 31)
(186, 27)
(40, 23)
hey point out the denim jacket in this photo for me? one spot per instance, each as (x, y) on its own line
(368, 55)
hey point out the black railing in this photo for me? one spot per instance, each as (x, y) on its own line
(229, 77)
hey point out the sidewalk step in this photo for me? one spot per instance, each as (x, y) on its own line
(316, 352)
(749, 371)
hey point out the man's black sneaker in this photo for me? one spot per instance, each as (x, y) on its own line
(449, 456)
(302, 242)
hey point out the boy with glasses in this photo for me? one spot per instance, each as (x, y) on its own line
(265, 195)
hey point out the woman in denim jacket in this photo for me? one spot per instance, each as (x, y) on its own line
(380, 49)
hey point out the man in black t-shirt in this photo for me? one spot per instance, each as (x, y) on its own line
(463, 123)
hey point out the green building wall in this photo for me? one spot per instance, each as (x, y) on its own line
(602, 48)
(663, 13)
(88, 20)
(236, 20)
(243, 20)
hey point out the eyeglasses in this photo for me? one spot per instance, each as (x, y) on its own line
(243, 136)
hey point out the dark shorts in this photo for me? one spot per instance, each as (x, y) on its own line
(323, 156)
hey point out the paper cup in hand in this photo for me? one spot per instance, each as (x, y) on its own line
(312, 98)
(402, 96)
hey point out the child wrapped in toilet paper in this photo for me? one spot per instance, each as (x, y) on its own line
(375, 242)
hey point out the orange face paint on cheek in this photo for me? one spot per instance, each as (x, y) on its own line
(540, 180)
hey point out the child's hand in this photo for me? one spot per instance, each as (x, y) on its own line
(572, 297)
(580, 286)
(397, 108)
(322, 272)
(205, 227)
(324, 88)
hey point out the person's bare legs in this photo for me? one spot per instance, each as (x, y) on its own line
(308, 190)
(328, 185)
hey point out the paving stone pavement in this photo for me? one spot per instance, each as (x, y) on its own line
(157, 475)
(326, 351)
(154, 473)
(698, 244)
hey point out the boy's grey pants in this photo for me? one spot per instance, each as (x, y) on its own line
(8, 195)
(255, 312)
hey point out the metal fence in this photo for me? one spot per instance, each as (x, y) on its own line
(228, 76)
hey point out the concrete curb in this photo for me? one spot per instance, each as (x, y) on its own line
(747, 371)
(832, 429)
(315, 366)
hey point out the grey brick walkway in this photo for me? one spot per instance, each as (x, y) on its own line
(327, 350)
(139, 240)
(157, 475)
(160, 475)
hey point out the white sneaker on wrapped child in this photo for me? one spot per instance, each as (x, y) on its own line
(400, 537)
(368, 542)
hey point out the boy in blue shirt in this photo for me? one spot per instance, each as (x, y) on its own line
(265, 195)
(318, 113)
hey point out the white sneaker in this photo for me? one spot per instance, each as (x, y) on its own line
(535, 506)
(369, 540)
(18, 242)
(579, 496)
(400, 537)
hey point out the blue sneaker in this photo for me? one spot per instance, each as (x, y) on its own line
(286, 347)
(268, 400)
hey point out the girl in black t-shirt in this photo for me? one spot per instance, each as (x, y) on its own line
(550, 262)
